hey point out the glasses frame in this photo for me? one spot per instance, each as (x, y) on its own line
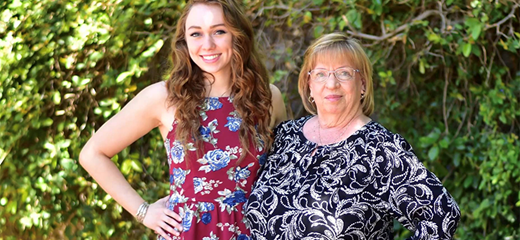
(333, 71)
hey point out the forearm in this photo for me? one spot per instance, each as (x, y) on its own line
(108, 176)
(427, 209)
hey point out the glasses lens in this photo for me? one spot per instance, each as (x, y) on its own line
(319, 75)
(344, 74)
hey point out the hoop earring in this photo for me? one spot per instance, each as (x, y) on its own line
(311, 99)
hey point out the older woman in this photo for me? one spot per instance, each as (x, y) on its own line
(338, 174)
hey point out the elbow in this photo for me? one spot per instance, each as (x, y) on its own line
(82, 157)
(85, 155)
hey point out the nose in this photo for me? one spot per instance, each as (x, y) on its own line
(209, 42)
(334, 83)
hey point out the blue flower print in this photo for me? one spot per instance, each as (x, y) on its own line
(177, 152)
(198, 184)
(212, 103)
(243, 237)
(179, 176)
(177, 197)
(237, 197)
(205, 132)
(206, 218)
(217, 159)
(206, 206)
(242, 173)
(233, 123)
(262, 158)
(187, 220)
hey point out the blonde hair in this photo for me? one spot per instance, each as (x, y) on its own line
(337, 44)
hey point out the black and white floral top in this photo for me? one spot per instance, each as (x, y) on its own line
(352, 189)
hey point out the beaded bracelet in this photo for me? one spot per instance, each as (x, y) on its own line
(141, 212)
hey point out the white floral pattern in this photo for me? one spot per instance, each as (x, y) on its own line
(212, 236)
(348, 190)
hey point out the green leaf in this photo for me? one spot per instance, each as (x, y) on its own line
(153, 49)
(475, 31)
(444, 143)
(475, 27)
(136, 166)
(466, 49)
(433, 153)
(421, 66)
(318, 31)
(456, 159)
(468, 181)
(307, 17)
(56, 98)
(470, 22)
(67, 164)
(123, 76)
(430, 138)
(354, 18)
(434, 37)
(126, 166)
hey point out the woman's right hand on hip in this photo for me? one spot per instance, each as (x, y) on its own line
(163, 220)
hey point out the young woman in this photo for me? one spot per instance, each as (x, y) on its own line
(215, 113)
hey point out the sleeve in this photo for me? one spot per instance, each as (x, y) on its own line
(416, 196)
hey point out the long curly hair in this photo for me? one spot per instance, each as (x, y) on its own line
(250, 83)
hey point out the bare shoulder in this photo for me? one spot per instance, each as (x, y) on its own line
(156, 92)
(275, 90)
(279, 113)
(156, 95)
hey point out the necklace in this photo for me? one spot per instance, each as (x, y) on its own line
(339, 136)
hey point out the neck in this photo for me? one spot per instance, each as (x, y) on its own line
(337, 120)
(219, 86)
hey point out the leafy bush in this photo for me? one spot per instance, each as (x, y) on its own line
(447, 77)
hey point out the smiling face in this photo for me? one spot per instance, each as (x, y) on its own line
(209, 41)
(333, 96)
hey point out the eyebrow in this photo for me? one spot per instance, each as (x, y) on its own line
(213, 26)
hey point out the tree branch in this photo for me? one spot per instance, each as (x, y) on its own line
(397, 30)
(510, 15)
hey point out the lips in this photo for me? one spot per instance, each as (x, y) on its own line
(333, 97)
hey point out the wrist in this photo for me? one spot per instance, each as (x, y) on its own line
(141, 212)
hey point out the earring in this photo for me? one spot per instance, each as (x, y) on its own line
(311, 99)
(362, 96)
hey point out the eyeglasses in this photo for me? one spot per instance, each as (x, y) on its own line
(342, 74)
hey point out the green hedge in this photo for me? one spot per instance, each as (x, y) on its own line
(447, 77)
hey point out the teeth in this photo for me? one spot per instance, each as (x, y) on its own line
(210, 57)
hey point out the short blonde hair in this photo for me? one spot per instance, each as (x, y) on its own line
(337, 43)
